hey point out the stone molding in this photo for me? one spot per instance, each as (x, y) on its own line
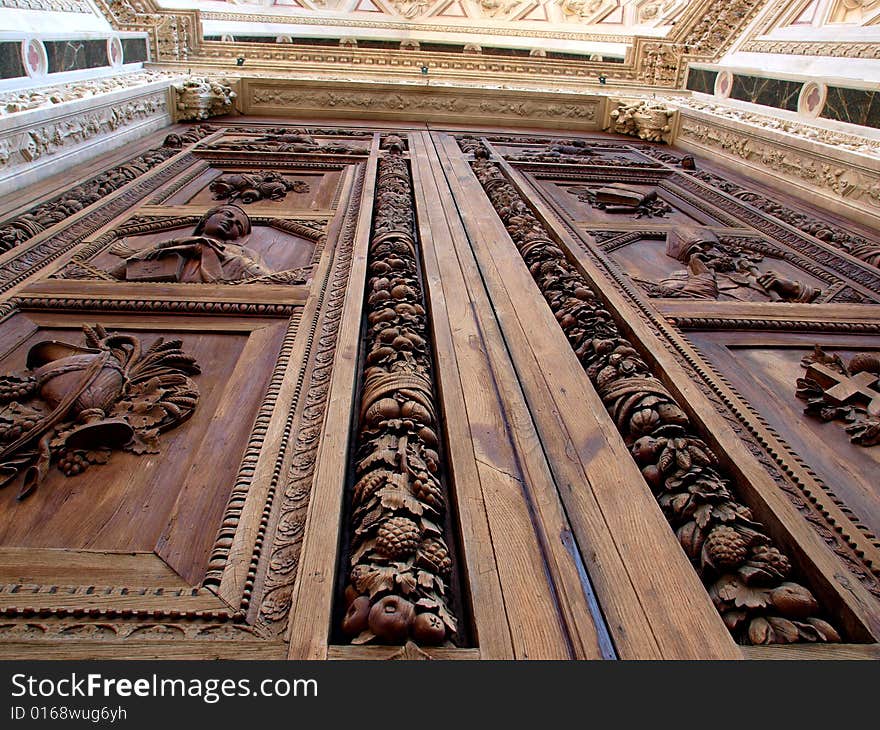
(41, 142)
(821, 172)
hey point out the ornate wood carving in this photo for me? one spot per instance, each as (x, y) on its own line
(400, 562)
(76, 404)
(839, 391)
(251, 187)
(747, 575)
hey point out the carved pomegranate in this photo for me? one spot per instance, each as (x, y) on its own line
(428, 629)
(390, 618)
(357, 616)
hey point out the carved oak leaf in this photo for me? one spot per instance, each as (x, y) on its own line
(406, 581)
(399, 499)
(378, 579)
(732, 589)
(144, 442)
(864, 431)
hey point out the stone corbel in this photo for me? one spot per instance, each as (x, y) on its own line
(202, 97)
(648, 120)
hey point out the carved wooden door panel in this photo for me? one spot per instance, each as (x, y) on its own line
(272, 390)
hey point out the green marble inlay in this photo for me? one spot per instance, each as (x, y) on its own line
(856, 106)
(768, 92)
(702, 80)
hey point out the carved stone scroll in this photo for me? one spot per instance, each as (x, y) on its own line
(400, 563)
(748, 577)
(75, 404)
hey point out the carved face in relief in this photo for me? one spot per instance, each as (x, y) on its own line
(225, 222)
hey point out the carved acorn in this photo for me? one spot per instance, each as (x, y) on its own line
(654, 477)
(357, 616)
(691, 538)
(398, 537)
(390, 618)
(428, 628)
(428, 437)
(645, 449)
(793, 600)
(380, 353)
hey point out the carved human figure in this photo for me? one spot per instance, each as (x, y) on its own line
(714, 270)
(213, 253)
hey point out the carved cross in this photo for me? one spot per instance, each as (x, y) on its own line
(841, 389)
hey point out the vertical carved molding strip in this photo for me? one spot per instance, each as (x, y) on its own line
(399, 562)
(746, 575)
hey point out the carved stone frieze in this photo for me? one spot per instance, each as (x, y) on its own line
(55, 6)
(436, 102)
(14, 102)
(749, 578)
(75, 404)
(399, 562)
(837, 179)
(21, 147)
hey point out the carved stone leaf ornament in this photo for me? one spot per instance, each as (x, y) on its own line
(747, 576)
(76, 404)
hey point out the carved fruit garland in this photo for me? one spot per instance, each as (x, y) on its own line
(400, 563)
(748, 578)
(76, 404)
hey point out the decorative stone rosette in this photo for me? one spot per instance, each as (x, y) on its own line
(400, 563)
(748, 577)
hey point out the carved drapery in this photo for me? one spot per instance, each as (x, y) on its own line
(748, 577)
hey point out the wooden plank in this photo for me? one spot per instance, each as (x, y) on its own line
(540, 578)
(855, 607)
(655, 604)
(759, 311)
(184, 543)
(235, 578)
(311, 603)
(379, 653)
(812, 652)
(136, 649)
(86, 567)
(248, 293)
(39, 599)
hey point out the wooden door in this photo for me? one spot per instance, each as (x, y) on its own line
(279, 390)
